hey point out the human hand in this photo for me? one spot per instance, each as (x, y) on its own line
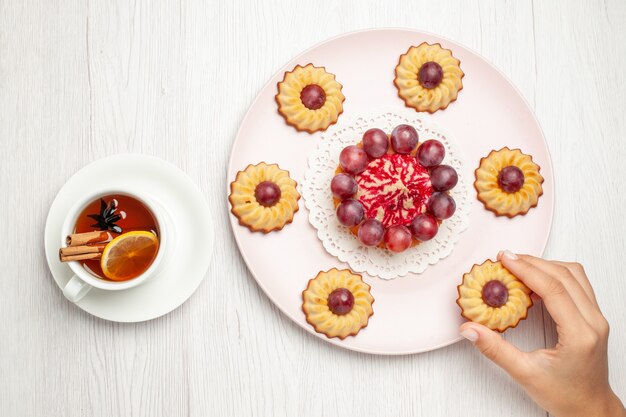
(571, 379)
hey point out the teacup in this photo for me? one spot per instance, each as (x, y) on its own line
(84, 280)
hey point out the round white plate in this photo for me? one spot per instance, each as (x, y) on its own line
(415, 313)
(189, 259)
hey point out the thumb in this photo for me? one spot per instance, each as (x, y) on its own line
(495, 348)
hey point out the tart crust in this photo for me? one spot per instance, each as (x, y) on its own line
(419, 97)
(253, 215)
(474, 308)
(323, 320)
(495, 199)
(290, 105)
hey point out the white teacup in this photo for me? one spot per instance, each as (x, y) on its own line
(83, 280)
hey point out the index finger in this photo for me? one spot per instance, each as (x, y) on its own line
(557, 300)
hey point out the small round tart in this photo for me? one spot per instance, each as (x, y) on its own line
(428, 77)
(309, 98)
(337, 303)
(492, 296)
(394, 189)
(508, 182)
(263, 197)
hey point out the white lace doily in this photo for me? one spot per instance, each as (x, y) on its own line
(338, 240)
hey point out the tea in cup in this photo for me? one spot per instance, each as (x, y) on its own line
(113, 240)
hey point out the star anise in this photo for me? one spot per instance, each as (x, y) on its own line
(107, 217)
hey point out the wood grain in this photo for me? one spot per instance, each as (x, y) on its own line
(82, 80)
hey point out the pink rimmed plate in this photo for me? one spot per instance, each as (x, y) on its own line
(415, 313)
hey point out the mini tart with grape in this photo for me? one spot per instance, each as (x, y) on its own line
(309, 98)
(428, 77)
(263, 197)
(337, 303)
(492, 296)
(508, 182)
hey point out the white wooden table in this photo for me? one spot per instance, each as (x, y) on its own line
(82, 80)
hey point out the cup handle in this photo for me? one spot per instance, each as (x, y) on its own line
(76, 289)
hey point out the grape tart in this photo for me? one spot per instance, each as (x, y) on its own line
(309, 98)
(492, 296)
(337, 303)
(428, 77)
(508, 182)
(391, 192)
(263, 197)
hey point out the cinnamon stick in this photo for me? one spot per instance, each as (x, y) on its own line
(77, 250)
(80, 239)
(79, 257)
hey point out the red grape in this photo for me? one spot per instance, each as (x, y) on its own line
(404, 139)
(430, 74)
(375, 143)
(340, 301)
(267, 193)
(441, 205)
(430, 153)
(510, 179)
(350, 212)
(443, 178)
(371, 232)
(343, 186)
(398, 238)
(353, 159)
(424, 227)
(313, 96)
(495, 293)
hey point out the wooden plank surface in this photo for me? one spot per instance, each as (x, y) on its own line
(83, 80)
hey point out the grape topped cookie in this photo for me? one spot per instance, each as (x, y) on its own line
(428, 77)
(337, 303)
(508, 182)
(492, 296)
(309, 98)
(263, 197)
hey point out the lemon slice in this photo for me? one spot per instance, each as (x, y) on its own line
(129, 255)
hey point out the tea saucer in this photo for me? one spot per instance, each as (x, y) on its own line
(190, 256)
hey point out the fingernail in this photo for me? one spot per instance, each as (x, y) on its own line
(470, 334)
(509, 255)
(499, 255)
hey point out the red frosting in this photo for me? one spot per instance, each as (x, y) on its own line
(394, 189)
